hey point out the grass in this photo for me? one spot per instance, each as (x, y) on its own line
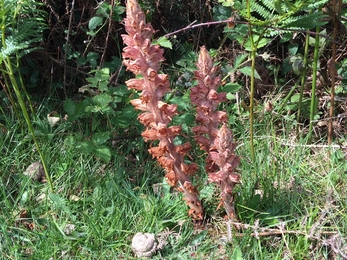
(291, 203)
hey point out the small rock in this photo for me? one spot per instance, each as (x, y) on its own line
(35, 171)
(144, 244)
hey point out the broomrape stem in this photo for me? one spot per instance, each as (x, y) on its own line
(143, 59)
(217, 142)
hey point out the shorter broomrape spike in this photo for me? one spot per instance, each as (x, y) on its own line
(143, 59)
(217, 142)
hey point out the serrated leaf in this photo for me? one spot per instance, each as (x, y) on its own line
(104, 153)
(94, 22)
(59, 203)
(101, 137)
(87, 146)
(164, 42)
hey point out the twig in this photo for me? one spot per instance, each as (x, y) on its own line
(271, 231)
(108, 34)
(192, 26)
(67, 44)
(332, 72)
(314, 145)
(231, 20)
(275, 232)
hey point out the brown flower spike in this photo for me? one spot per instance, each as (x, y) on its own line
(217, 142)
(143, 59)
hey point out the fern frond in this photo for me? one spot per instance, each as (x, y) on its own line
(312, 5)
(22, 25)
(307, 21)
(284, 14)
(262, 11)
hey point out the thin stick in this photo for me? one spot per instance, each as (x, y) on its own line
(67, 44)
(332, 70)
(276, 232)
(108, 34)
(231, 20)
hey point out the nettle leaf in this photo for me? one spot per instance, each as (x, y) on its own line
(101, 137)
(248, 72)
(94, 22)
(163, 42)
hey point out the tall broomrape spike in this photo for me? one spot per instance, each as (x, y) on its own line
(218, 143)
(143, 59)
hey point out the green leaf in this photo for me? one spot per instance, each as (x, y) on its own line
(72, 140)
(69, 107)
(59, 203)
(24, 198)
(101, 137)
(254, 202)
(231, 87)
(117, 11)
(104, 153)
(163, 42)
(297, 64)
(239, 59)
(248, 72)
(186, 118)
(183, 102)
(93, 59)
(230, 96)
(87, 146)
(293, 49)
(125, 117)
(94, 22)
(237, 254)
(100, 104)
(104, 10)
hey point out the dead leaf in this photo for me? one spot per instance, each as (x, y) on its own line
(53, 119)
